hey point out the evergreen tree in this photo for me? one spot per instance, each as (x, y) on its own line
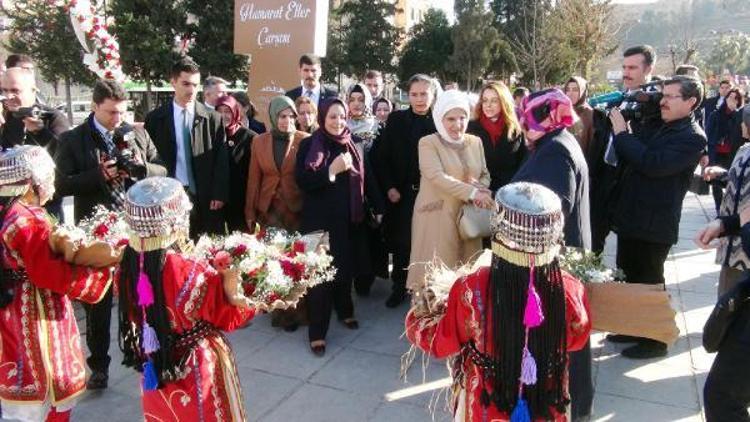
(476, 43)
(370, 41)
(212, 29)
(146, 30)
(428, 47)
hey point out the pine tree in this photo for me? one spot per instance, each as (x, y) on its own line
(211, 28)
(427, 48)
(476, 44)
(370, 41)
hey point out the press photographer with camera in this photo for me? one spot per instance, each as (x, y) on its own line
(28, 121)
(656, 173)
(97, 162)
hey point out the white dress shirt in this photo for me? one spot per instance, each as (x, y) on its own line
(316, 92)
(180, 171)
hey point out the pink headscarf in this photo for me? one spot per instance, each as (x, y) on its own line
(561, 113)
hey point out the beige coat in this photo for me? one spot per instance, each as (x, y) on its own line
(443, 189)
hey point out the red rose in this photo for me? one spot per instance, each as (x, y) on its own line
(239, 250)
(273, 296)
(222, 260)
(101, 230)
(298, 247)
(249, 289)
(292, 270)
(122, 242)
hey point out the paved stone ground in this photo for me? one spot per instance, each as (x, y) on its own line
(358, 379)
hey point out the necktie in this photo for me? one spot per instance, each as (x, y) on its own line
(188, 146)
(309, 93)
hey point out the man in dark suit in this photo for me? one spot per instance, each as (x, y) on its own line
(656, 175)
(396, 160)
(191, 140)
(712, 104)
(97, 161)
(309, 73)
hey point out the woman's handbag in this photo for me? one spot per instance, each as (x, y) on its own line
(724, 313)
(474, 222)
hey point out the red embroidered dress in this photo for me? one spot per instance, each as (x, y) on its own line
(462, 323)
(40, 355)
(208, 388)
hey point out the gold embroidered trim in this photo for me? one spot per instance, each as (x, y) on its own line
(149, 244)
(13, 190)
(432, 206)
(522, 259)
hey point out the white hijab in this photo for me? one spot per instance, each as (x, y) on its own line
(447, 101)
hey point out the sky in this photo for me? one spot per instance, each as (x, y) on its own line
(447, 5)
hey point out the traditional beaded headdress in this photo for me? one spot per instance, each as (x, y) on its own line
(527, 231)
(23, 164)
(157, 209)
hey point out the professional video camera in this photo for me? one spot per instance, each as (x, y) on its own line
(33, 111)
(641, 104)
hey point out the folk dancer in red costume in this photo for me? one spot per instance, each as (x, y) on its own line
(511, 325)
(42, 371)
(172, 309)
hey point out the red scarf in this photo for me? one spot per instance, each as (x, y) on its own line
(495, 129)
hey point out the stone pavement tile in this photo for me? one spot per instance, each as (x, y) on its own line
(383, 337)
(669, 381)
(702, 360)
(394, 411)
(109, 407)
(696, 308)
(130, 385)
(264, 392)
(615, 408)
(314, 403)
(375, 375)
(289, 357)
(246, 342)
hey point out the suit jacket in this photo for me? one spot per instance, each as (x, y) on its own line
(210, 159)
(77, 163)
(324, 93)
(656, 175)
(269, 186)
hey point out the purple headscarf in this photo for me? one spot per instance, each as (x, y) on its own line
(321, 149)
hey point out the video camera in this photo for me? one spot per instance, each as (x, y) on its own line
(35, 112)
(641, 104)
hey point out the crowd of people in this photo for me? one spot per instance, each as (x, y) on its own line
(397, 189)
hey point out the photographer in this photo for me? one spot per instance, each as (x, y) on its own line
(656, 172)
(97, 161)
(28, 121)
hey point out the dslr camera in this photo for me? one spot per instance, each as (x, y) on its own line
(35, 112)
(123, 153)
(642, 104)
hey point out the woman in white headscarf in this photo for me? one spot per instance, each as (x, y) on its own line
(453, 173)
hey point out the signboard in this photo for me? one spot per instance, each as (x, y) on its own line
(275, 34)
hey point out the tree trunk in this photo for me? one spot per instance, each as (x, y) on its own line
(147, 102)
(69, 99)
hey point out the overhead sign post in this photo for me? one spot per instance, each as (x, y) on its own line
(275, 34)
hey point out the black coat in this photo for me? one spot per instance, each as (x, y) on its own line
(396, 160)
(656, 175)
(326, 207)
(557, 162)
(324, 93)
(78, 167)
(503, 158)
(13, 132)
(210, 159)
(239, 165)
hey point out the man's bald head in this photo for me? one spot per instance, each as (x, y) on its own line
(19, 88)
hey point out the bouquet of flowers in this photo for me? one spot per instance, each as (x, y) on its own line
(276, 268)
(587, 266)
(96, 241)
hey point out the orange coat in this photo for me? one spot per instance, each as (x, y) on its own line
(273, 198)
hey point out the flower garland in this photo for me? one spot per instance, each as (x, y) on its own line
(102, 51)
